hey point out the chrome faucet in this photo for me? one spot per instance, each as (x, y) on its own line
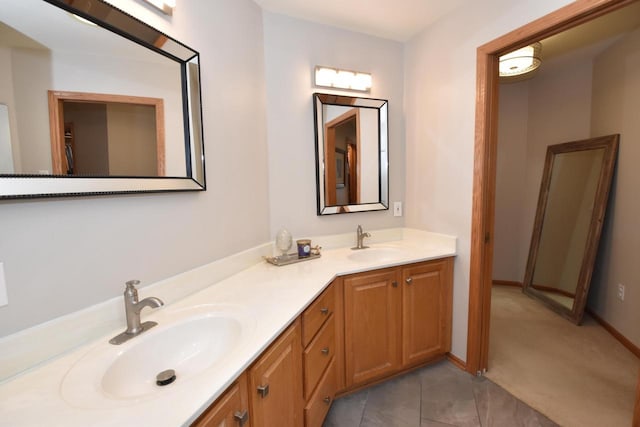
(132, 309)
(360, 237)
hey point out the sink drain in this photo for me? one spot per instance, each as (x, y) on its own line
(166, 377)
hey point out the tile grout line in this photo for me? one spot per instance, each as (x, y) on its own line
(475, 402)
(364, 408)
(421, 398)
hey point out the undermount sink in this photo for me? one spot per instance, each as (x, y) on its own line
(189, 342)
(381, 254)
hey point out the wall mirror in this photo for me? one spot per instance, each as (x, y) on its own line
(571, 208)
(95, 102)
(352, 161)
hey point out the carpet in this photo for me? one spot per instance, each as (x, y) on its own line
(576, 375)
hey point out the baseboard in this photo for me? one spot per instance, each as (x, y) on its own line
(457, 361)
(507, 283)
(616, 334)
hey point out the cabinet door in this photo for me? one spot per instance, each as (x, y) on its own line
(275, 383)
(230, 410)
(372, 326)
(426, 310)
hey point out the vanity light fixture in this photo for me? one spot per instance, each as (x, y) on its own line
(520, 61)
(165, 6)
(343, 79)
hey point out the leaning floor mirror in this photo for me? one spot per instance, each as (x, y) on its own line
(352, 162)
(572, 204)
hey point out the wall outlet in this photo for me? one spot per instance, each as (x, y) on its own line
(3, 287)
(397, 208)
(620, 291)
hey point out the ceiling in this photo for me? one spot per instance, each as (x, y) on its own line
(398, 20)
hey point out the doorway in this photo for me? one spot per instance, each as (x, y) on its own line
(106, 135)
(483, 218)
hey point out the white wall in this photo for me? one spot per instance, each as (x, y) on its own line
(292, 50)
(440, 77)
(61, 255)
(31, 80)
(369, 158)
(616, 102)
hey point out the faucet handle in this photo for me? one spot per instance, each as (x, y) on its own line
(131, 284)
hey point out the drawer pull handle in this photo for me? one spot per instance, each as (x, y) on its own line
(327, 400)
(241, 417)
(325, 351)
(409, 280)
(324, 310)
(263, 390)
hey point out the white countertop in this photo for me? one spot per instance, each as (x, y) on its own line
(273, 296)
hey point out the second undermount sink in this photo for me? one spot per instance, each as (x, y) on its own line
(378, 253)
(188, 342)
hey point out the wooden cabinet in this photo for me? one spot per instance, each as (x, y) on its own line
(275, 383)
(372, 325)
(362, 328)
(396, 318)
(426, 310)
(230, 410)
(320, 354)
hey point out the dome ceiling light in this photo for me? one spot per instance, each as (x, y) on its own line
(521, 61)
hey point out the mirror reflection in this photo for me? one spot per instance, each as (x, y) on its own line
(351, 153)
(571, 208)
(86, 101)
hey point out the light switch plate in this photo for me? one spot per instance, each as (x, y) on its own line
(3, 287)
(397, 208)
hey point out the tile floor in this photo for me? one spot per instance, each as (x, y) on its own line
(438, 395)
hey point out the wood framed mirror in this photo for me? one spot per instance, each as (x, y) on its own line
(572, 204)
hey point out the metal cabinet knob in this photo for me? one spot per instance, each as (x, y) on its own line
(409, 280)
(263, 390)
(241, 417)
(325, 351)
(327, 400)
(324, 310)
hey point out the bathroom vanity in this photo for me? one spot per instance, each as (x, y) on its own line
(363, 328)
(273, 343)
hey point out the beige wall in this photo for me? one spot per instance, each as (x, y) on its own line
(616, 103)
(553, 107)
(91, 145)
(132, 140)
(509, 254)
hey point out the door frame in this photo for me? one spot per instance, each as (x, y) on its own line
(484, 169)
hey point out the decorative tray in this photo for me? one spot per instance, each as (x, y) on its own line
(289, 259)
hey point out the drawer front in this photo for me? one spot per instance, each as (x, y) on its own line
(318, 355)
(320, 402)
(317, 313)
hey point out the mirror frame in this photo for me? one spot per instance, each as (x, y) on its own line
(610, 145)
(19, 186)
(382, 106)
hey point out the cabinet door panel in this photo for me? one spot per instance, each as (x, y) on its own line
(230, 410)
(372, 326)
(275, 383)
(426, 314)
